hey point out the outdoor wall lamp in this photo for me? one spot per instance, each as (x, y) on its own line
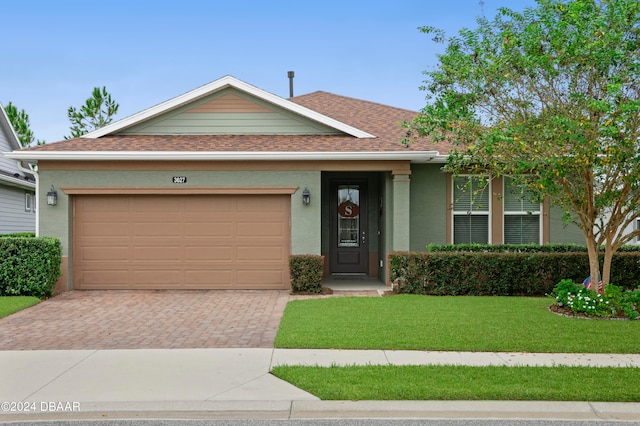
(306, 197)
(52, 197)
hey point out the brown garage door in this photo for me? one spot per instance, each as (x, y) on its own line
(181, 242)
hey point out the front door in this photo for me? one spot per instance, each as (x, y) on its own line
(349, 240)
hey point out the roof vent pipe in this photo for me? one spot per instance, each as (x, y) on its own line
(290, 74)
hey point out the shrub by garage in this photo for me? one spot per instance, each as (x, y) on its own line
(29, 266)
(306, 273)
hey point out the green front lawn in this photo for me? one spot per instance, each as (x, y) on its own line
(458, 323)
(12, 304)
(377, 382)
(449, 323)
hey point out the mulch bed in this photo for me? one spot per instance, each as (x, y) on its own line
(567, 312)
(325, 291)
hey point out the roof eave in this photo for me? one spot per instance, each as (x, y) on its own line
(17, 182)
(35, 156)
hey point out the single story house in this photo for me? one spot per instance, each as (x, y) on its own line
(217, 187)
(17, 185)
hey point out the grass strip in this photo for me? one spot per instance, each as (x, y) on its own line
(377, 382)
(449, 323)
(12, 304)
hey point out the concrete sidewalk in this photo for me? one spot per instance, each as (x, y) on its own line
(235, 383)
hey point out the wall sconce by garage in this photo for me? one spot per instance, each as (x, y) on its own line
(52, 197)
(306, 197)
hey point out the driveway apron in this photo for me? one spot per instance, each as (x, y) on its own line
(147, 319)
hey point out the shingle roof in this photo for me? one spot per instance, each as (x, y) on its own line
(374, 118)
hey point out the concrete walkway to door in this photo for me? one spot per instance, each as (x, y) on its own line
(145, 319)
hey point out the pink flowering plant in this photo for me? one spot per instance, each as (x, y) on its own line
(613, 302)
(630, 303)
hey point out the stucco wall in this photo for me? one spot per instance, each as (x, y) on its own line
(428, 206)
(305, 220)
(429, 212)
(562, 232)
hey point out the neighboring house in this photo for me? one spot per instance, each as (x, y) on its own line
(633, 226)
(207, 190)
(17, 188)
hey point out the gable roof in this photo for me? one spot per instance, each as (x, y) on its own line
(367, 130)
(7, 129)
(216, 86)
(10, 174)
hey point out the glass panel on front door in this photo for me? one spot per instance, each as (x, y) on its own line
(348, 215)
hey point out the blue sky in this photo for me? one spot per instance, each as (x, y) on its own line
(55, 52)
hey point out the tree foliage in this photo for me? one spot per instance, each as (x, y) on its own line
(97, 112)
(20, 122)
(549, 96)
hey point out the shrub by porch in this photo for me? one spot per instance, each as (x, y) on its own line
(492, 270)
(306, 273)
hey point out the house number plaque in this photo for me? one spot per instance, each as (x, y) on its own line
(179, 179)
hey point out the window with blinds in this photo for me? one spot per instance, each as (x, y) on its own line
(521, 215)
(471, 210)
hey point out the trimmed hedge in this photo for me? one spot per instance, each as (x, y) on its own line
(19, 234)
(521, 248)
(29, 266)
(500, 273)
(306, 273)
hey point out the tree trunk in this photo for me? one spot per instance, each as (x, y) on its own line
(606, 266)
(594, 263)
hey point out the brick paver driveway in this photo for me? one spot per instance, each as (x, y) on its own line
(123, 319)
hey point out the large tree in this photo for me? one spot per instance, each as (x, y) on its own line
(20, 122)
(97, 112)
(551, 97)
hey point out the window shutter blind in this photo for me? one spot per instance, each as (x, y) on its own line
(461, 196)
(518, 200)
(512, 201)
(469, 229)
(469, 198)
(522, 229)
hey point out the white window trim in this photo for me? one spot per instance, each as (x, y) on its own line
(28, 202)
(505, 212)
(454, 213)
